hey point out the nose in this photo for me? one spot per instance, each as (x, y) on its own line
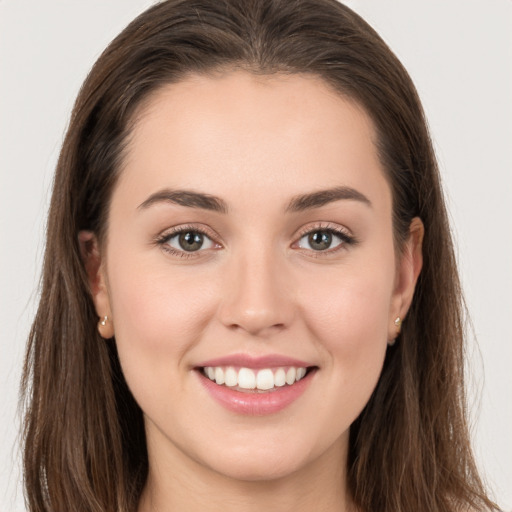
(257, 296)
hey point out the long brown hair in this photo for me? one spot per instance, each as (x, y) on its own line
(84, 434)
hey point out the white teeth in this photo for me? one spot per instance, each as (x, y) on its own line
(246, 378)
(280, 378)
(219, 375)
(290, 375)
(265, 379)
(300, 373)
(231, 377)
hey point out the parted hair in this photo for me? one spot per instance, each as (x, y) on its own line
(84, 439)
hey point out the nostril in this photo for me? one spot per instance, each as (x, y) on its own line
(259, 331)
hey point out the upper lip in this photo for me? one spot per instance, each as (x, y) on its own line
(247, 361)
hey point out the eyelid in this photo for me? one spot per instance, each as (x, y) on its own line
(345, 234)
(325, 226)
(348, 239)
(162, 238)
(180, 228)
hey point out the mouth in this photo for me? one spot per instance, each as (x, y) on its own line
(255, 380)
(255, 386)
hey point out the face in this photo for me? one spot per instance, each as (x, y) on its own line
(250, 274)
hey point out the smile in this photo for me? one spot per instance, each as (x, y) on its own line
(255, 386)
(247, 379)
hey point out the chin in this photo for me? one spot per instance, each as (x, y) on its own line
(255, 461)
(261, 469)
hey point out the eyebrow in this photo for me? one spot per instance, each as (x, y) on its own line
(187, 198)
(298, 203)
(322, 197)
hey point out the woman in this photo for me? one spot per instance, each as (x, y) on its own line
(241, 301)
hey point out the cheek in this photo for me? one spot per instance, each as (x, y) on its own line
(349, 316)
(158, 317)
(157, 314)
(350, 311)
(345, 313)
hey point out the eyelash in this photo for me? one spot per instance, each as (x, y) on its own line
(163, 240)
(346, 238)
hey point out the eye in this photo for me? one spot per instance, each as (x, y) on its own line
(186, 240)
(324, 240)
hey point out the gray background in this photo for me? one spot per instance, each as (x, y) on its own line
(458, 52)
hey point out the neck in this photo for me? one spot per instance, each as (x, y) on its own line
(180, 483)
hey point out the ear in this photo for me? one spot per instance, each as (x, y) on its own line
(95, 269)
(408, 270)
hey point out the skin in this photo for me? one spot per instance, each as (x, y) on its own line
(257, 288)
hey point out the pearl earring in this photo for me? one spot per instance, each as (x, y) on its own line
(398, 325)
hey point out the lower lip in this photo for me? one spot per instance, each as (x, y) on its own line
(254, 403)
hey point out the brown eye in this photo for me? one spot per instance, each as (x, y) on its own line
(323, 240)
(320, 240)
(188, 241)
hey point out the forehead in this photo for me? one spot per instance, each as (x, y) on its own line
(238, 133)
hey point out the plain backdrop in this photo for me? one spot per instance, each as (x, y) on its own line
(458, 52)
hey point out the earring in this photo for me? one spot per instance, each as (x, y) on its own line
(398, 325)
(106, 328)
